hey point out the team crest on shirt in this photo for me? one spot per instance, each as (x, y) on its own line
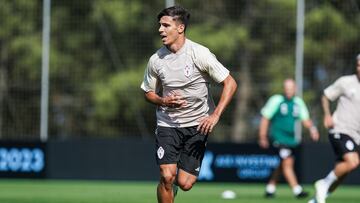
(188, 70)
(284, 109)
(296, 111)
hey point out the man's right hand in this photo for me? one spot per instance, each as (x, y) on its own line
(173, 100)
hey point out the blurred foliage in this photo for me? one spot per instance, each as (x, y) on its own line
(99, 50)
(213, 37)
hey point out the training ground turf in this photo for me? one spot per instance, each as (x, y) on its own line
(69, 191)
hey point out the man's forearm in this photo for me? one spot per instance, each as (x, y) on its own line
(264, 125)
(153, 98)
(309, 125)
(325, 105)
(226, 95)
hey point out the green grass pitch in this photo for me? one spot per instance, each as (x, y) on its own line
(70, 191)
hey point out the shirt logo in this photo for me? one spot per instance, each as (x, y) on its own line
(284, 109)
(296, 111)
(160, 152)
(188, 70)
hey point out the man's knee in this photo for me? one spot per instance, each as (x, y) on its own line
(353, 164)
(167, 181)
(185, 185)
(167, 178)
(185, 180)
(167, 175)
(352, 161)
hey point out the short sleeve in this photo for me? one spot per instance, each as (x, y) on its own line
(207, 62)
(150, 78)
(334, 91)
(271, 106)
(303, 110)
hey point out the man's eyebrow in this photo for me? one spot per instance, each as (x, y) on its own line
(164, 23)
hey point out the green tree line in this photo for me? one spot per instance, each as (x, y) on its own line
(99, 50)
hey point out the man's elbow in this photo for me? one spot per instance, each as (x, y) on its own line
(231, 83)
(148, 96)
(234, 85)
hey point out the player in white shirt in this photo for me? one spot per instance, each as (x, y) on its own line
(344, 130)
(177, 80)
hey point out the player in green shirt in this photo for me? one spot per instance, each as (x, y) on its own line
(279, 117)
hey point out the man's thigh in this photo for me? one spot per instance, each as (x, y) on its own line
(193, 152)
(168, 145)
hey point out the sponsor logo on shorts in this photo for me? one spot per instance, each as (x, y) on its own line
(349, 145)
(284, 153)
(160, 152)
(197, 169)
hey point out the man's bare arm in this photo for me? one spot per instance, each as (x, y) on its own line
(229, 88)
(173, 100)
(263, 129)
(328, 121)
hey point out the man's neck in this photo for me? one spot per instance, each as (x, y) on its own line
(176, 46)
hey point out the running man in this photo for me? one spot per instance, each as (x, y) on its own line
(344, 130)
(177, 81)
(281, 113)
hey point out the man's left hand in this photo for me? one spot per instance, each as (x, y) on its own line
(207, 124)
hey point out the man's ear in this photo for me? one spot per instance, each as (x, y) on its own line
(181, 28)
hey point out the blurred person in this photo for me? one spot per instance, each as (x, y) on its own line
(177, 80)
(344, 130)
(279, 116)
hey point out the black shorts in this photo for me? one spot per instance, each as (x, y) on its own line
(342, 144)
(182, 146)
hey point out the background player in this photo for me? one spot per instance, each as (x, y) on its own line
(281, 113)
(344, 130)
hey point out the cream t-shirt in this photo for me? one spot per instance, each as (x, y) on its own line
(187, 72)
(347, 114)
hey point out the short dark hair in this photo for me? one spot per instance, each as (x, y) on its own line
(177, 12)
